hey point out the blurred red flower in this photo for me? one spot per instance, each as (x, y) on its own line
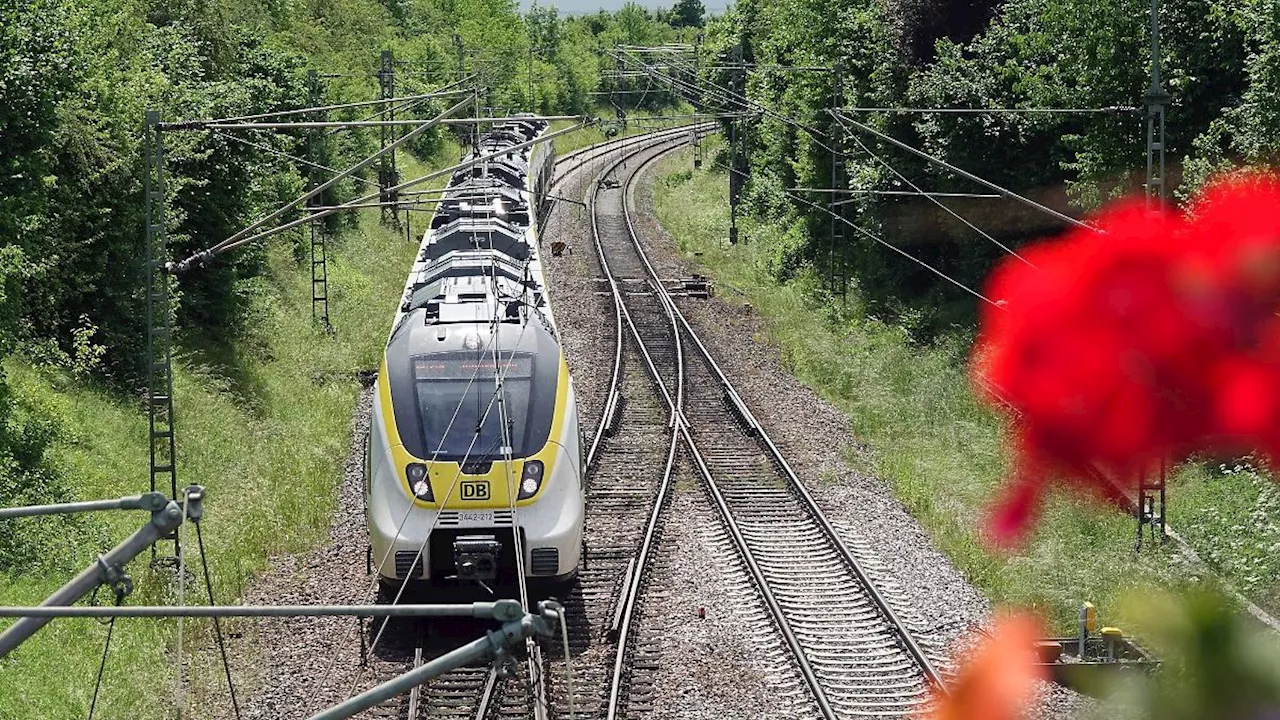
(997, 680)
(1147, 340)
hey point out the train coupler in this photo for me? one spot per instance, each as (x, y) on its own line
(475, 557)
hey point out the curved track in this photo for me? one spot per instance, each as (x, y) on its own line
(482, 693)
(857, 658)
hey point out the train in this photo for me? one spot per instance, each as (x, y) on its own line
(474, 441)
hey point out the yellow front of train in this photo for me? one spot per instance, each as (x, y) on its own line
(474, 443)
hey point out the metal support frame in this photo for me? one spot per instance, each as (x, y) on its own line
(146, 501)
(696, 99)
(495, 644)
(1157, 99)
(388, 177)
(163, 467)
(319, 239)
(1150, 509)
(166, 516)
(836, 275)
(736, 178)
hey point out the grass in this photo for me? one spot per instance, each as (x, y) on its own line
(923, 433)
(268, 446)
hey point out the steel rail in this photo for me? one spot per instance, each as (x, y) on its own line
(891, 617)
(488, 691)
(757, 572)
(584, 156)
(682, 427)
(415, 693)
(634, 580)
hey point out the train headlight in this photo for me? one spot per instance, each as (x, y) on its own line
(419, 482)
(530, 479)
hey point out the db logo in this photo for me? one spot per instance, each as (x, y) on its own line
(475, 490)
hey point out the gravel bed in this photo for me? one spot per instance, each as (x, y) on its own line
(816, 438)
(728, 660)
(579, 298)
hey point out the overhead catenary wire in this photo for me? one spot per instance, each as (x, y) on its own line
(106, 649)
(405, 106)
(882, 241)
(197, 124)
(735, 98)
(940, 204)
(179, 680)
(1110, 110)
(872, 236)
(483, 120)
(742, 98)
(228, 245)
(960, 171)
(217, 624)
(280, 153)
(275, 214)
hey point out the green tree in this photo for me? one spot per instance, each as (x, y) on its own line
(688, 13)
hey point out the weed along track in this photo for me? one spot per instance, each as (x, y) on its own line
(843, 638)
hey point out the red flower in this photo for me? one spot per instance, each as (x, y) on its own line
(998, 679)
(1149, 340)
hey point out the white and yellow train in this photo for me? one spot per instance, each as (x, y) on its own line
(474, 439)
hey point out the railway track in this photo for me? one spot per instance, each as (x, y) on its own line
(856, 656)
(482, 692)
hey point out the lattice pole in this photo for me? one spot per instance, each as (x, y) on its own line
(736, 178)
(1150, 509)
(161, 437)
(319, 241)
(835, 258)
(696, 99)
(388, 176)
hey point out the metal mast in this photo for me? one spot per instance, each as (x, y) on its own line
(319, 249)
(736, 177)
(1150, 509)
(163, 452)
(839, 187)
(388, 177)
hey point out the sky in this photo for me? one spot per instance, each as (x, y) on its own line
(577, 7)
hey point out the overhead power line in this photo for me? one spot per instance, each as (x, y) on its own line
(233, 240)
(196, 124)
(242, 239)
(375, 123)
(960, 171)
(1110, 110)
(876, 238)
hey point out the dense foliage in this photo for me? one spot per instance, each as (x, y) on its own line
(1221, 66)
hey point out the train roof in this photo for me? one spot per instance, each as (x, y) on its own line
(469, 233)
(511, 173)
(475, 199)
(479, 261)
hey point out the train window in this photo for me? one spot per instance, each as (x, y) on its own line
(458, 405)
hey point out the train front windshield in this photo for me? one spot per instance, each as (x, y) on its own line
(459, 410)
